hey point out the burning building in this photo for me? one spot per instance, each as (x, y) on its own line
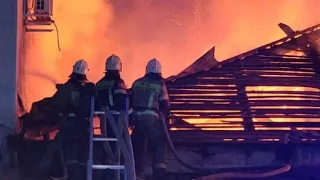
(265, 99)
(273, 83)
(251, 108)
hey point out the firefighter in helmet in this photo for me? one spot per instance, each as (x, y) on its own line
(149, 97)
(111, 93)
(74, 128)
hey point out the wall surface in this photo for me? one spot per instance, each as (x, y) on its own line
(10, 40)
(11, 35)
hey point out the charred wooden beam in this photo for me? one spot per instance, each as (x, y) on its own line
(213, 91)
(292, 57)
(221, 100)
(287, 30)
(285, 124)
(196, 115)
(244, 105)
(267, 104)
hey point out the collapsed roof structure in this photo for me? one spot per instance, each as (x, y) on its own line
(273, 88)
(205, 62)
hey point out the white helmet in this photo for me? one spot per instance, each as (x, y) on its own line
(81, 67)
(113, 63)
(153, 66)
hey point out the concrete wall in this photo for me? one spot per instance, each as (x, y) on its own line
(11, 38)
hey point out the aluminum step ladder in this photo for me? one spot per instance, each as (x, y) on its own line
(90, 165)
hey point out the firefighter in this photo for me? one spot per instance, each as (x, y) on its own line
(149, 97)
(73, 130)
(111, 93)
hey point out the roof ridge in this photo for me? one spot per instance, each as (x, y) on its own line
(252, 52)
(277, 42)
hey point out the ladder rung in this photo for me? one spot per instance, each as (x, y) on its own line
(115, 167)
(98, 112)
(105, 139)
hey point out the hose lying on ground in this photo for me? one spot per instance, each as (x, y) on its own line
(207, 169)
(127, 155)
(246, 175)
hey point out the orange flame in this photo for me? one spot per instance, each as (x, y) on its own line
(138, 30)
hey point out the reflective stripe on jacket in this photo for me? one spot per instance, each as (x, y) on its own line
(111, 93)
(149, 94)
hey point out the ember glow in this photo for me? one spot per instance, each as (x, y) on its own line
(176, 33)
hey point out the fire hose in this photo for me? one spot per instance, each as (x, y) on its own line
(227, 172)
(247, 175)
(127, 137)
(125, 144)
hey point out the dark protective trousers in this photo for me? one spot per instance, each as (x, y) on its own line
(75, 141)
(148, 127)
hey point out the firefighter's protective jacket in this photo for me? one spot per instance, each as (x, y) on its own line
(149, 95)
(89, 90)
(67, 97)
(111, 92)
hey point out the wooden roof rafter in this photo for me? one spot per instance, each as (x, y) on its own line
(210, 98)
(280, 42)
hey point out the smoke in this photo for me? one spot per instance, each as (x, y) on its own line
(178, 33)
(173, 31)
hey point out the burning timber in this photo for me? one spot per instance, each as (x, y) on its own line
(258, 108)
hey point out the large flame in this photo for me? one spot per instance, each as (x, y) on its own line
(83, 33)
(176, 33)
